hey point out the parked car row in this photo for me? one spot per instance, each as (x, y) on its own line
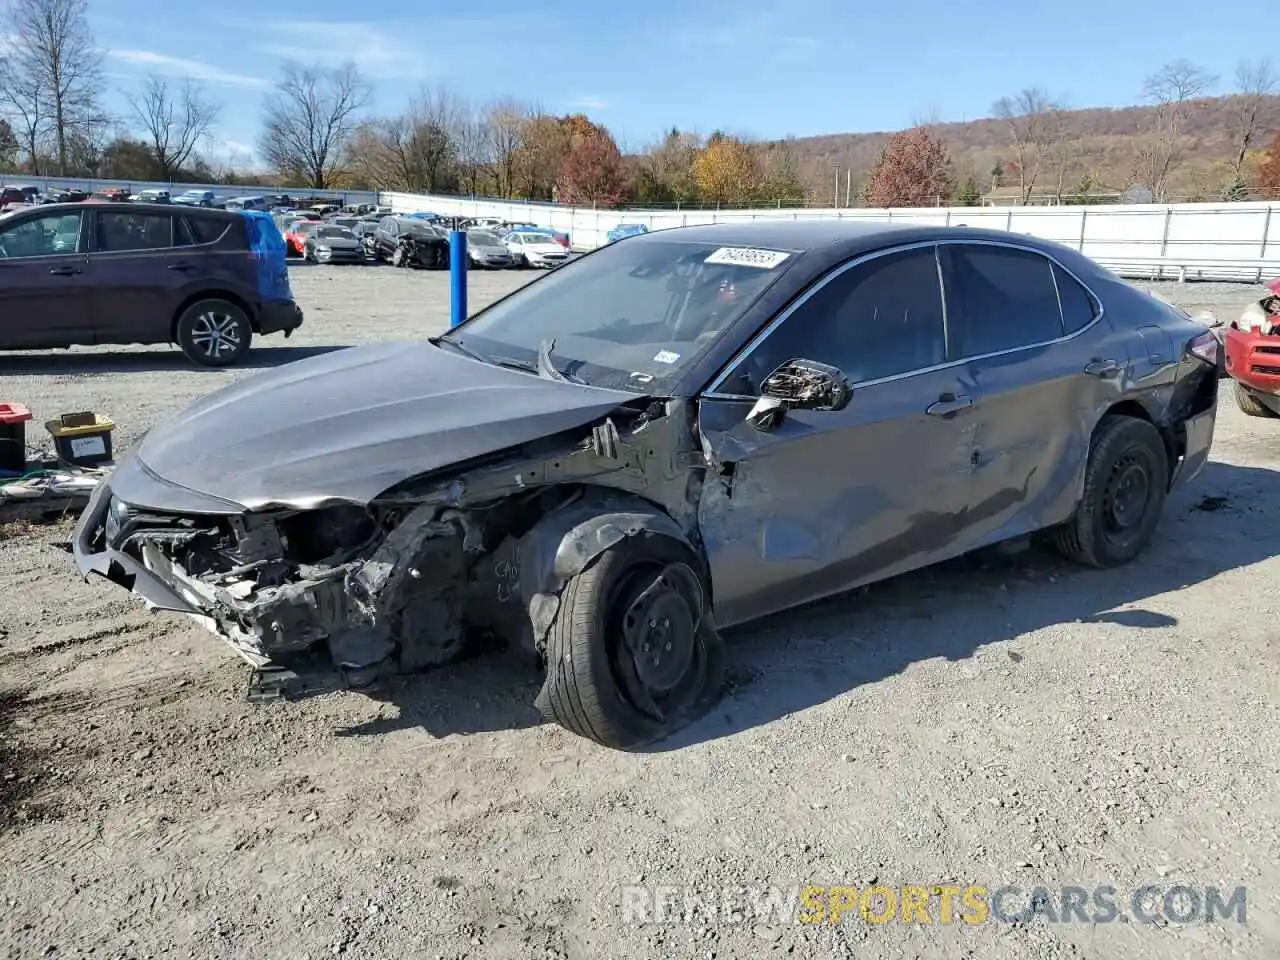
(14, 198)
(418, 240)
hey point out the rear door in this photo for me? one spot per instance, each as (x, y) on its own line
(139, 276)
(1035, 363)
(44, 281)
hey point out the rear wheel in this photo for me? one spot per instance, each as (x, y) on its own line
(214, 333)
(1125, 485)
(1250, 405)
(633, 655)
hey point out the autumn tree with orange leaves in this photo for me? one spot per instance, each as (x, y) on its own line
(1268, 185)
(591, 169)
(728, 170)
(913, 171)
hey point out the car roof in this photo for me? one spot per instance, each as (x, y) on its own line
(834, 236)
(128, 207)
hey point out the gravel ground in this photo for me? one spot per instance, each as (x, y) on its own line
(1010, 721)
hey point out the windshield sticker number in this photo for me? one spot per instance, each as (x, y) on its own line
(748, 257)
(665, 356)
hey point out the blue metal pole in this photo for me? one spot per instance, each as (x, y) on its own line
(458, 276)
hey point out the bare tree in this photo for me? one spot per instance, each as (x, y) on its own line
(1033, 122)
(22, 98)
(57, 65)
(309, 119)
(174, 121)
(475, 156)
(1171, 89)
(505, 124)
(1255, 83)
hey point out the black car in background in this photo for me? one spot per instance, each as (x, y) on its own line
(406, 241)
(134, 273)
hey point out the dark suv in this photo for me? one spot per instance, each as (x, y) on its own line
(140, 273)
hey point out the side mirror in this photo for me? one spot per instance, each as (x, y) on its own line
(799, 385)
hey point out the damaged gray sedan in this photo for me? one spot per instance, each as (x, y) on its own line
(661, 439)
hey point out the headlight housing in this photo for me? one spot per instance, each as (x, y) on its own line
(116, 517)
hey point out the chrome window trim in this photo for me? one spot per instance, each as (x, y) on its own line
(712, 392)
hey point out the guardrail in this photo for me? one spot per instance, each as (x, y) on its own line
(1208, 241)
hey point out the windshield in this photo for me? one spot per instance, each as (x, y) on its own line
(418, 228)
(334, 233)
(482, 238)
(537, 237)
(628, 316)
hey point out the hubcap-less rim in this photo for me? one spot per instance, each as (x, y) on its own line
(216, 335)
(1125, 498)
(659, 630)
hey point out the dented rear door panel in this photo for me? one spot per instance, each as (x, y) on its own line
(828, 500)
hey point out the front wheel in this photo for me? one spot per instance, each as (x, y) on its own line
(1125, 485)
(214, 333)
(1250, 405)
(633, 655)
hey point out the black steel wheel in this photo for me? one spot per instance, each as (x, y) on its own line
(1126, 483)
(633, 655)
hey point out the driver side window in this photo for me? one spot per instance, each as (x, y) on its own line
(53, 234)
(882, 318)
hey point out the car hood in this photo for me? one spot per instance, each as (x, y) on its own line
(544, 247)
(349, 424)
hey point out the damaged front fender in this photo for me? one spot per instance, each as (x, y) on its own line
(565, 542)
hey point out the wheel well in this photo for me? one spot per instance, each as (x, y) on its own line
(1174, 441)
(227, 295)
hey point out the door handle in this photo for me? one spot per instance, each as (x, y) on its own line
(947, 404)
(1102, 368)
(180, 266)
(64, 271)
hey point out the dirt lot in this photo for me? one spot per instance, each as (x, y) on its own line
(1020, 722)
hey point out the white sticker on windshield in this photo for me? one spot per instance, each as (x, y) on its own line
(665, 356)
(748, 257)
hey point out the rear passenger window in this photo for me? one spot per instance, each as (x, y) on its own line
(119, 232)
(202, 230)
(1000, 299)
(1078, 307)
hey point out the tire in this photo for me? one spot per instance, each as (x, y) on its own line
(214, 333)
(593, 687)
(1126, 482)
(1250, 405)
(398, 257)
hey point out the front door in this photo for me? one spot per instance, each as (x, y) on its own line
(826, 500)
(139, 275)
(44, 281)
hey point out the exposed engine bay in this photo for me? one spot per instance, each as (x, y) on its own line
(413, 579)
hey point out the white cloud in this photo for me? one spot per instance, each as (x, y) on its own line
(163, 63)
(380, 54)
(589, 102)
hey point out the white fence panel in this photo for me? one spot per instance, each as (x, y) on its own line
(1230, 241)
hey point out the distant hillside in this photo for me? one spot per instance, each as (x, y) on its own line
(1104, 142)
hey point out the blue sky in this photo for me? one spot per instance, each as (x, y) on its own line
(761, 68)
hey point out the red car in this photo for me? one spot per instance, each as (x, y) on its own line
(295, 238)
(1253, 355)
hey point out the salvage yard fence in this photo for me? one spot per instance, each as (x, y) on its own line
(1185, 241)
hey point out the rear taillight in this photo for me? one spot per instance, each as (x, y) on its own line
(1207, 348)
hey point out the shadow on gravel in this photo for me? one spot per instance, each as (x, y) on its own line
(23, 769)
(141, 361)
(791, 662)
